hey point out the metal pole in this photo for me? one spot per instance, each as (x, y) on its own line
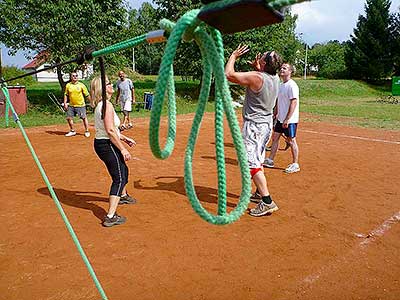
(305, 64)
(133, 59)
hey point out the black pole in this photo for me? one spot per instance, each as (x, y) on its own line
(37, 71)
(103, 86)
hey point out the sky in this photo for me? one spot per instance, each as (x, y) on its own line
(318, 21)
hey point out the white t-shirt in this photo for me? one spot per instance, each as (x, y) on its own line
(287, 91)
(101, 133)
(125, 89)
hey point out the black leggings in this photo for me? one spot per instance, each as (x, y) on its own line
(115, 163)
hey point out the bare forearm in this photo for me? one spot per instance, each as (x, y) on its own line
(230, 67)
(292, 108)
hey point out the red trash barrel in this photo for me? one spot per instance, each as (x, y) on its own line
(18, 99)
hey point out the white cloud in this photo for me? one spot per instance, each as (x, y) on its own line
(322, 21)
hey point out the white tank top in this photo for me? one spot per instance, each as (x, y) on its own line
(101, 133)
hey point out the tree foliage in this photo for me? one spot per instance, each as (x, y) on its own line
(11, 72)
(369, 52)
(279, 37)
(147, 57)
(395, 41)
(328, 59)
(62, 28)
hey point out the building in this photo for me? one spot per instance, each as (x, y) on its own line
(40, 62)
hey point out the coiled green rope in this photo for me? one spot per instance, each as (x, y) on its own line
(213, 63)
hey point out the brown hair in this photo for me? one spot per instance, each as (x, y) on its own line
(273, 62)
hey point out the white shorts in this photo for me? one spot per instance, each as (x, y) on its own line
(126, 105)
(255, 138)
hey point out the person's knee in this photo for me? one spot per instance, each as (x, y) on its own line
(254, 171)
(291, 140)
(276, 136)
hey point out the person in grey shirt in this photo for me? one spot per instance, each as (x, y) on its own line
(126, 96)
(261, 92)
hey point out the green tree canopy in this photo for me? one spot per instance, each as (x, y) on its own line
(328, 59)
(62, 28)
(395, 41)
(369, 53)
(147, 57)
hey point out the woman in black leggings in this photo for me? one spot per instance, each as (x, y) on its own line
(110, 149)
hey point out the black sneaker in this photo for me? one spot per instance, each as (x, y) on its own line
(115, 220)
(255, 197)
(127, 200)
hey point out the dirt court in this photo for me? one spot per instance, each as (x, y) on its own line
(336, 235)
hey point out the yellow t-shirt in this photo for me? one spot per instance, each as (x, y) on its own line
(76, 92)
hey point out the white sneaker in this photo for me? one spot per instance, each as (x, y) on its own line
(87, 133)
(71, 133)
(292, 168)
(269, 163)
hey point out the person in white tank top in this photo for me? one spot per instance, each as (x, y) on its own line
(109, 146)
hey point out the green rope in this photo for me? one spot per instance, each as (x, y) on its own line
(211, 49)
(277, 4)
(54, 196)
(120, 46)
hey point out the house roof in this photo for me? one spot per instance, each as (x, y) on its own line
(37, 61)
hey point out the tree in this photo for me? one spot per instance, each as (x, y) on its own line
(328, 59)
(147, 57)
(369, 56)
(395, 41)
(61, 28)
(279, 37)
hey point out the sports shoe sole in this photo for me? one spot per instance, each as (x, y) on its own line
(119, 222)
(126, 202)
(268, 212)
(291, 172)
(268, 166)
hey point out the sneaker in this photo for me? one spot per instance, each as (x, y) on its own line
(263, 209)
(127, 200)
(115, 220)
(292, 168)
(87, 133)
(130, 125)
(255, 197)
(269, 163)
(71, 133)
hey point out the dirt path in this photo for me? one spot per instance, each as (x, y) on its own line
(336, 235)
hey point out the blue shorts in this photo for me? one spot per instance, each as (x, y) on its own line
(289, 132)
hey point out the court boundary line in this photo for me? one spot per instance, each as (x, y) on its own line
(351, 137)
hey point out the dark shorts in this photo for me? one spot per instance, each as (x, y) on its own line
(289, 132)
(76, 111)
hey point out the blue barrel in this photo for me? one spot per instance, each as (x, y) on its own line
(148, 100)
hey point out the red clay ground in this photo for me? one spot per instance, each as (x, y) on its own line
(314, 247)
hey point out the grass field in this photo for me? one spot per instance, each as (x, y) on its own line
(345, 102)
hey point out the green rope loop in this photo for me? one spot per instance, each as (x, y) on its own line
(211, 49)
